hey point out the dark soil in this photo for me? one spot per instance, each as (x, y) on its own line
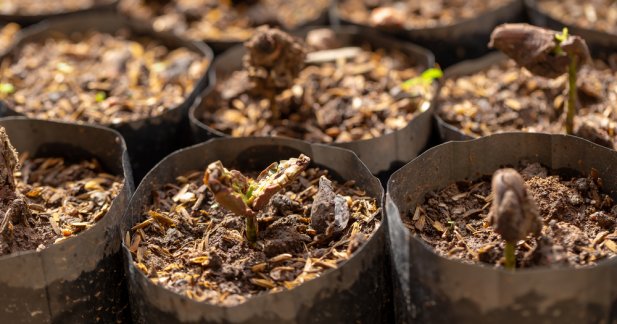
(506, 98)
(579, 221)
(595, 14)
(190, 245)
(37, 7)
(414, 14)
(218, 20)
(341, 98)
(99, 78)
(64, 199)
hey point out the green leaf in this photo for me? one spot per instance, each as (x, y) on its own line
(100, 96)
(249, 192)
(432, 74)
(563, 36)
(7, 88)
(426, 78)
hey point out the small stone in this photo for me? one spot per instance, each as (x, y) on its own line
(329, 212)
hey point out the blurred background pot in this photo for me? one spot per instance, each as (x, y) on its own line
(463, 39)
(148, 139)
(380, 154)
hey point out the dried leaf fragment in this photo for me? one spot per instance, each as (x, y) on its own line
(611, 245)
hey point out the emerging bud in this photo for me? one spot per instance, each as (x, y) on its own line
(514, 213)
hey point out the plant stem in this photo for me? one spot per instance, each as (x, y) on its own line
(251, 228)
(571, 109)
(276, 113)
(510, 254)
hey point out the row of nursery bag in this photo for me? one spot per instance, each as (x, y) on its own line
(263, 229)
(349, 87)
(454, 30)
(364, 93)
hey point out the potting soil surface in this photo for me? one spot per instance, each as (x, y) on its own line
(64, 199)
(596, 14)
(579, 221)
(98, 78)
(350, 97)
(218, 20)
(415, 14)
(37, 7)
(187, 243)
(506, 98)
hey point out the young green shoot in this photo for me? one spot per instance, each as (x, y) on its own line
(544, 53)
(425, 79)
(572, 68)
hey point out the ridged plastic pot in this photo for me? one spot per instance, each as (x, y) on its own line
(448, 132)
(453, 43)
(220, 46)
(358, 291)
(148, 139)
(429, 288)
(79, 280)
(380, 154)
(25, 20)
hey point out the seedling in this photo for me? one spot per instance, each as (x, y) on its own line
(544, 53)
(514, 213)
(245, 196)
(425, 80)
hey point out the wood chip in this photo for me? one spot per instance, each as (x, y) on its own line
(268, 284)
(611, 245)
(280, 258)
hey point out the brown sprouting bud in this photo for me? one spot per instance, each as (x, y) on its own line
(536, 48)
(514, 213)
(273, 59)
(228, 188)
